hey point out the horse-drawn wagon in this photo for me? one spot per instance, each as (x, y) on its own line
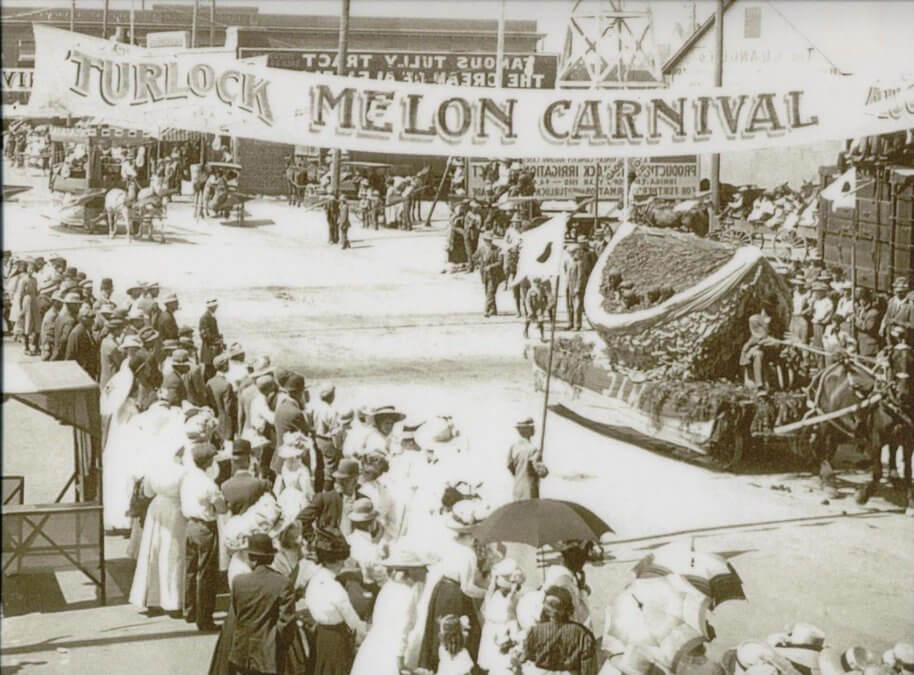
(87, 162)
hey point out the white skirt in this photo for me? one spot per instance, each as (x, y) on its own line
(159, 577)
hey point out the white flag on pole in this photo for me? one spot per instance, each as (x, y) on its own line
(541, 250)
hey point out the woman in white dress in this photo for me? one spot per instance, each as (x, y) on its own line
(384, 650)
(118, 401)
(294, 477)
(159, 578)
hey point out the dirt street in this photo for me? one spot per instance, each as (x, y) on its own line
(387, 327)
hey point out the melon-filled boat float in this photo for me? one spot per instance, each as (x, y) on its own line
(671, 314)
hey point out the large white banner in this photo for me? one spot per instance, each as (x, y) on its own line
(213, 92)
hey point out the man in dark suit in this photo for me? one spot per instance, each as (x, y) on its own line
(290, 416)
(221, 397)
(243, 489)
(330, 509)
(343, 222)
(81, 345)
(263, 607)
(210, 338)
(166, 323)
(65, 323)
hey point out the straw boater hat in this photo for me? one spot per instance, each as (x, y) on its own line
(404, 559)
(900, 657)
(853, 660)
(820, 286)
(900, 284)
(465, 516)
(387, 411)
(212, 302)
(800, 645)
(138, 286)
(439, 434)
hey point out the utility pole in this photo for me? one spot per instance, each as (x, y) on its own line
(500, 48)
(105, 21)
(718, 82)
(212, 23)
(72, 15)
(132, 22)
(340, 70)
(193, 25)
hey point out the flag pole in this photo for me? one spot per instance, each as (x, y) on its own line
(553, 311)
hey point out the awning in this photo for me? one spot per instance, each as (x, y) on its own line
(62, 389)
(181, 135)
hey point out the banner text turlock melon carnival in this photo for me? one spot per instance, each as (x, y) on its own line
(209, 91)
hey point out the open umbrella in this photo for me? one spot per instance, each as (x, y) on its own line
(541, 522)
(708, 573)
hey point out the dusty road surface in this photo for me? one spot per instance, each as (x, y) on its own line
(387, 327)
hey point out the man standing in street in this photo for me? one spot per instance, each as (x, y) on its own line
(330, 508)
(201, 502)
(897, 313)
(221, 398)
(65, 323)
(488, 259)
(343, 221)
(165, 321)
(290, 416)
(578, 274)
(81, 345)
(49, 327)
(243, 489)
(472, 224)
(210, 338)
(110, 356)
(525, 463)
(331, 209)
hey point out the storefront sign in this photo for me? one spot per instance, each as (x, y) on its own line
(18, 79)
(521, 71)
(216, 93)
(668, 177)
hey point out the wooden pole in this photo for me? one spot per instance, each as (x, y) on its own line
(554, 312)
(193, 25)
(212, 23)
(718, 81)
(340, 70)
(500, 48)
(105, 21)
(132, 22)
(72, 15)
(447, 168)
(596, 200)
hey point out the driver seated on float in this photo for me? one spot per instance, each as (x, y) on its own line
(758, 357)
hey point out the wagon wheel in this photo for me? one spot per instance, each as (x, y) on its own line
(739, 237)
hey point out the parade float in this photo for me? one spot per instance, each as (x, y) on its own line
(671, 314)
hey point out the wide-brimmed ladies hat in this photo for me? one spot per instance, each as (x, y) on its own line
(755, 654)
(404, 559)
(289, 451)
(440, 435)
(800, 644)
(387, 412)
(900, 657)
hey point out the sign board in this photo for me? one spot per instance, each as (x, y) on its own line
(174, 39)
(521, 71)
(559, 179)
(214, 93)
(18, 79)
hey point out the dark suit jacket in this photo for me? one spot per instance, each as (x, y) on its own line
(167, 326)
(82, 348)
(242, 491)
(288, 416)
(210, 339)
(263, 604)
(64, 324)
(222, 400)
(325, 512)
(197, 392)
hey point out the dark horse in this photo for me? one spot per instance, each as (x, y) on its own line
(885, 422)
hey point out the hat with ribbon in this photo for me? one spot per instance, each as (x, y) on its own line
(220, 359)
(170, 298)
(180, 359)
(138, 287)
(439, 434)
(404, 559)
(212, 302)
(148, 335)
(130, 341)
(800, 645)
(72, 298)
(387, 412)
(135, 314)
